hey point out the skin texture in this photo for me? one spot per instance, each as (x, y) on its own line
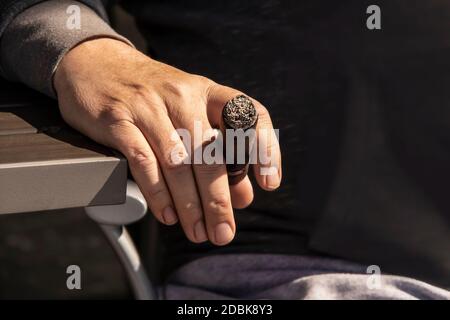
(121, 98)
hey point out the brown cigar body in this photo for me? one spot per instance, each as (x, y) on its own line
(239, 114)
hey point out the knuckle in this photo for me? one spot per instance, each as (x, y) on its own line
(208, 169)
(114, 115)
(141, 159)
(220, 203)
(176, 158)
(157, 192)
(203, 81)
(190, 90)
(175, 166)
(191, 208)
(119, 127)
(179, 89)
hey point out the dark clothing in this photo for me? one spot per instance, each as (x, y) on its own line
(363, 118)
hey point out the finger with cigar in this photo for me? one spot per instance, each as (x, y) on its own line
(237, 111)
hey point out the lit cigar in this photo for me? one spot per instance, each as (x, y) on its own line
(239, 113)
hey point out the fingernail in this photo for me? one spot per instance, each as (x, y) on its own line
(223, 234)
(169, 216)
(200, 232)
(273, 180)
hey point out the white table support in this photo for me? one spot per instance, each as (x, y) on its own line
(112, 219)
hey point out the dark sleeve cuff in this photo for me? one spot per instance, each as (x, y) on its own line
(34, 42)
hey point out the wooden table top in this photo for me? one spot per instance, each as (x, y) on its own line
(46, 165)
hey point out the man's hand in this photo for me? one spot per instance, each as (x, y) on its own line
(123, 99)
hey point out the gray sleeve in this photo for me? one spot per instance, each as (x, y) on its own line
(35, 41)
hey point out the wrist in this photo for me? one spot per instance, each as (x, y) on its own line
(86, 55)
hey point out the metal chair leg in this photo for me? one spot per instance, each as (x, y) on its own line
(112, 220)
(125, 249)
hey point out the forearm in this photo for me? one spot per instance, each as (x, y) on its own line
(36, 39)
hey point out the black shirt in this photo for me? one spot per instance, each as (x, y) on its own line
(363, 118)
